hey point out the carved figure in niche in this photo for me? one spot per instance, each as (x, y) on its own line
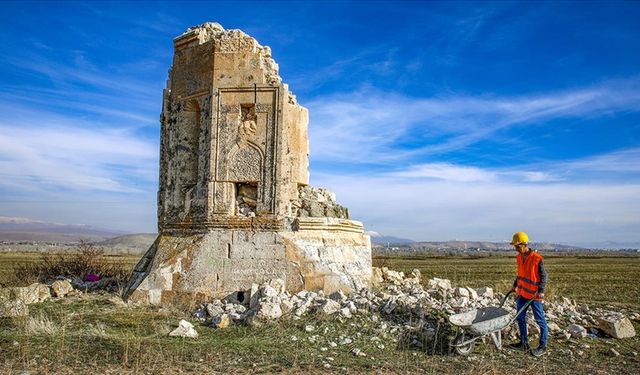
(248, 121)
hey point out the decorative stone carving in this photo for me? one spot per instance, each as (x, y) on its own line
(245, 163)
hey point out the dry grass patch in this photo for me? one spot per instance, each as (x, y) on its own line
(88, 259)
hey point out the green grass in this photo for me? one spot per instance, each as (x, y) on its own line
(98, 334)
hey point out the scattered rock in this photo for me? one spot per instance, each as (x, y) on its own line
(618, 327)
(485, 292)
(391, 276)
(33, 293)
(376, 276)
(329, 307)
(309, 328)
(61, 288)
(614, 353)
(577, 331)
(221, 321)
(442, 284)
(185, 329)
(269, 311)
(553, 327)
(345, 312)
(12, 308)
(462, 292)
(214, 309)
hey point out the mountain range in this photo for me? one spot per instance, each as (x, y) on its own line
(17, 229)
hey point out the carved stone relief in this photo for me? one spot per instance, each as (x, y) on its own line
(245, 164)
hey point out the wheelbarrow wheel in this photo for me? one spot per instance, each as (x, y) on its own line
(463, 350)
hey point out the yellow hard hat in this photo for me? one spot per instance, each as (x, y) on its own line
(519, 237)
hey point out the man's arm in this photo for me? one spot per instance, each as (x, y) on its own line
(543, 277)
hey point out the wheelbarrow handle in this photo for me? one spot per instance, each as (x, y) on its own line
(505, 298)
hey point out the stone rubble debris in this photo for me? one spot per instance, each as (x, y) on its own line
(317, 202)
(404, 303)
(14, 301)
(407, 305)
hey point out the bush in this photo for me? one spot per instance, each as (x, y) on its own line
(88, 259)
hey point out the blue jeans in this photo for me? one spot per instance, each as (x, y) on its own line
(538, 314)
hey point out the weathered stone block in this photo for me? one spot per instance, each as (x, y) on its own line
(618, 327)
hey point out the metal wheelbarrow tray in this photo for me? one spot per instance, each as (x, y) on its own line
(476, 324)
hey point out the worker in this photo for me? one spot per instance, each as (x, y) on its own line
(529, 286)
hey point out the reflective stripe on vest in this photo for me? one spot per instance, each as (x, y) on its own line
(528, 279)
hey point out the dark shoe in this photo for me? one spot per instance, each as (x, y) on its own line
(519, 346)
(539, 351)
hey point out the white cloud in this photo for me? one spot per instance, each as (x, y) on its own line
(370, 126)
(447, 201)
(74, 158)
(447, 172)
(446, 210)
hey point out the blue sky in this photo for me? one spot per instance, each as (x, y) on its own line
(430, 120)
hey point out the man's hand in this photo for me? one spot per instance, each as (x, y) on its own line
(540, 295)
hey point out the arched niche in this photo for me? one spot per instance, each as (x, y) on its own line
(188, 136)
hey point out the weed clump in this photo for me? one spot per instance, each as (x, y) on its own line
(88, 260)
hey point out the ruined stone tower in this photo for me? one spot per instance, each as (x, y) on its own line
(234, 205)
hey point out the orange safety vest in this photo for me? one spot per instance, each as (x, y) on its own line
(528, 276)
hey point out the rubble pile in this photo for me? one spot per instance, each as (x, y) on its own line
(403, 302)
(15, 301)
(317, 202)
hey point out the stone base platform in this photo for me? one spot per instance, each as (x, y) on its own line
(326, 254)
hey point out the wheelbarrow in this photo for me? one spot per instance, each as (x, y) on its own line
(476, 324)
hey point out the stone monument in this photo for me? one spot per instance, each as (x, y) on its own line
(234, 203)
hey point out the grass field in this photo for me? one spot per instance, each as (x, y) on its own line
(97, 333)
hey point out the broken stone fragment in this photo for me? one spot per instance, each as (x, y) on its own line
(577, 331)
(416, 275)
(485, 292)
(462, 292)
(617, 327)
(391, 276)
(442, 284)
(345, 312)
(269, 311)
(214, 309)
(12, 308)
(61, 288)
(329, 307)
(185, 329)
(376, 277)
(221, 321)
(338, 296)
(33, 293)
(318, 202)
(553, 327)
